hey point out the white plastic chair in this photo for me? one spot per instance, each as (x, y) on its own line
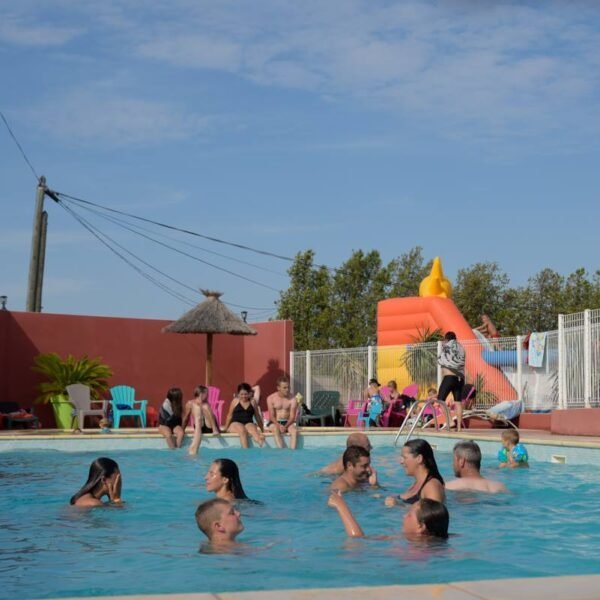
(79, 397)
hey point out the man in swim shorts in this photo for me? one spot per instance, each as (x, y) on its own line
(467, 465)
(357, 470)
(452, 362)
(282, 408)
(337, 467)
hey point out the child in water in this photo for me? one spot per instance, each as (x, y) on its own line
(512, 454)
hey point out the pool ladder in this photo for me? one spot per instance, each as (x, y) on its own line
(429, 403)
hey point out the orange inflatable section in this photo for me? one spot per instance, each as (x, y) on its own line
(399, 321)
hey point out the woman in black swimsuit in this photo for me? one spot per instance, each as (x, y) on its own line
(419, 462)
(240, 418)
(169, 418)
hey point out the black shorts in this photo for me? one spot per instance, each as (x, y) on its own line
(451, 383)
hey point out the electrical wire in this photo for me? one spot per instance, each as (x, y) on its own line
(19, 146)
(187, 231)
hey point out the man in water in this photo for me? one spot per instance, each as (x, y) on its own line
(220, 521)
(357, 470)
(282, 408)
(467, 465)
(337, 467)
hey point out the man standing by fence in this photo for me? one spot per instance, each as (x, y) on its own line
(452, 361)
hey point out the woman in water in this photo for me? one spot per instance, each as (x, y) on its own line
(104, 479)
(223, 479)
(425, 518)
(419, 462)
(243, 410)
(169, 418)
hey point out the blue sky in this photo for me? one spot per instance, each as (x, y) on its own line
(469, 128)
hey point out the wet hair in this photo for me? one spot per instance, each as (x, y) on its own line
(208, 512)
(99, 470)
(175, 396)
(419, 447)
(353, 454)
(511, 436)
(434, 516)
(450, 335)
(244, 387)
(229, 469)
(470, 451)
(199, 390)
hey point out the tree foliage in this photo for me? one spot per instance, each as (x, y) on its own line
(338, 309)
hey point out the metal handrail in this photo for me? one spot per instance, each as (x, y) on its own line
(412, 409)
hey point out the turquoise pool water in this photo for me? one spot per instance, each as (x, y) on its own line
(548, 525)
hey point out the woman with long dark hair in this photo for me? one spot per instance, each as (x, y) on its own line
(419, 462)
(104, 479)
(244, 417)
(223, 479)
(169, 418)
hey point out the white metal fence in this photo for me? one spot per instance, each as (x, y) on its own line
(556, 369)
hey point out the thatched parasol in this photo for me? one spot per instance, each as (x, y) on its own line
(209, 317)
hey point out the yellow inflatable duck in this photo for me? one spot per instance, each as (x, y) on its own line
(436, 283)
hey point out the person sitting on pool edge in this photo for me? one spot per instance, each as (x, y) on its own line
(282, 407)
(425, 518)
(202, 417)
(466, 462)
(242, 414)
(169, 418)
(220, 522)
(357, 469)
(104, 479)
(512, 454)
(337, 466)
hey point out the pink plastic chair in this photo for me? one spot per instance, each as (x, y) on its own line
(354, 409)
(215, 402)
(410, 390)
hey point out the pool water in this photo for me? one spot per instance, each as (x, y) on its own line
(548, 525)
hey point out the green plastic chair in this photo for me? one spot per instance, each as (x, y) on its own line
(324, 404)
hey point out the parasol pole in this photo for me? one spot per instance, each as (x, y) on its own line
(209, 348)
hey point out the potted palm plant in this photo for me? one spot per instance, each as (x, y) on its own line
(60, 373)
(420, 358)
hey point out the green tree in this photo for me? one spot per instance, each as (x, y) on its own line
(356, 288)
(546, 300)
(480, 289)
(307, 303)
(406, 273)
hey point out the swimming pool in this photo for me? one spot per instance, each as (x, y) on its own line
(549, 525)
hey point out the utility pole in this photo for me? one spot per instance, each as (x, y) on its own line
(38, 250)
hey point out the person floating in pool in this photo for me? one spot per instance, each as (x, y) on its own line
(282, 407)
(418, 461)
(202, 416)
(357, 470)
(169, 418)
(104, 479)
(425, 518)
(512, 454)
(243, 412)
(467, 464)
(354, 439)
(220, 522)
(223, 479)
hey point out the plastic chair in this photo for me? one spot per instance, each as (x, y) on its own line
(123, 405)
(324, 404)
(11, 412)
(79, 397)
(216, 404)
(354, 409)
(375, 409)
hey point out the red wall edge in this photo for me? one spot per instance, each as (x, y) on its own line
(139, 354)
(576, 421)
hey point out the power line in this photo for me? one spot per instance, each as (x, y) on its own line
(19, 146)
(174, 228)
(233, 273)
(96, 233)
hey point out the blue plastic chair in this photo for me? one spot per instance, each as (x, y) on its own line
(375, 409)
(123, 404)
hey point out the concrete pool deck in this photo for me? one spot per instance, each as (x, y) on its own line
(578, 587)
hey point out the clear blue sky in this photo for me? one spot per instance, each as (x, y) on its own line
(469, 128)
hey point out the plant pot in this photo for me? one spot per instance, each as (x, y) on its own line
(63, 412)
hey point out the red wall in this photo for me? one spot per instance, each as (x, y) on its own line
(139, 354)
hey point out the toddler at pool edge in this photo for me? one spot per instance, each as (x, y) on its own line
(512, 454)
